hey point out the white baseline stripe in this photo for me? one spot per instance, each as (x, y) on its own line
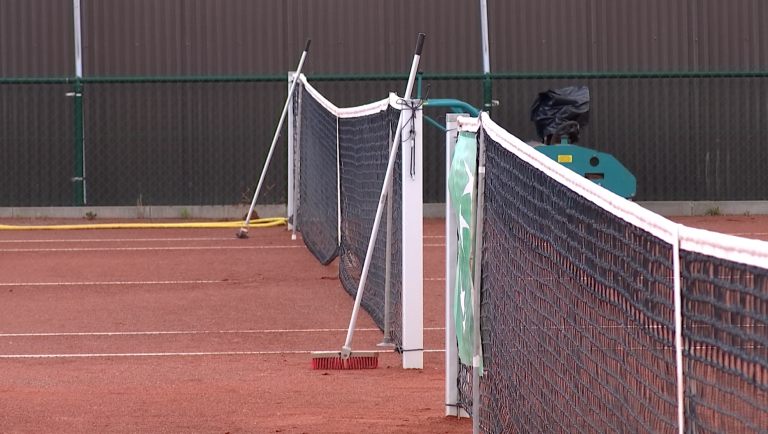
(193, 332)
(434, 245)
(149, 282)
(105, 249)
(223, 353)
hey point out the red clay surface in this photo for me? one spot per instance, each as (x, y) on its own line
(196, 331)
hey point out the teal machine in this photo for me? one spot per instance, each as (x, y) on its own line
(559, 115)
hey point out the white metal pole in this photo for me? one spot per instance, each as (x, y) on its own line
(291, 163)
(487, 88)
(346, 350)
(412, 251)
(451, 259)
(484, 35)
(243, 232)
(78, 40)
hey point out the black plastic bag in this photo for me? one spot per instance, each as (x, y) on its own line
(555, 107)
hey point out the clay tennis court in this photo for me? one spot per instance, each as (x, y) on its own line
(194, 330)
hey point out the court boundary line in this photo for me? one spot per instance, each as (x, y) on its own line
(193, 332)
(113, 249)
(138, 240)
(213, 353)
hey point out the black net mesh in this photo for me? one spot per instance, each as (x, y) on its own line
(577, 312)
(363, 154)
(364, 149)
(725, 330)
(317, 177)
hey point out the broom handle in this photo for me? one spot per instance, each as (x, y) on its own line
(277, 132)
(346, 349)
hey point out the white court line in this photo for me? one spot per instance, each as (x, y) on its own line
(145, 282)
(142, 240)
(193, 332)
(109, 249)
(150, 282)
(115, 240)
(222, 353)
(749, 233)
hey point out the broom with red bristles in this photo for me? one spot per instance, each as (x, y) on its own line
(346, 358)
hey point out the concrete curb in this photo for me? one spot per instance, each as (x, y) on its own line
(431, 210)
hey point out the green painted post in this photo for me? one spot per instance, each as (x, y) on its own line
(79, 138)
(418, 84)
(487, 93)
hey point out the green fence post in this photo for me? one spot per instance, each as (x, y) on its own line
(79, 178)
(487, 94)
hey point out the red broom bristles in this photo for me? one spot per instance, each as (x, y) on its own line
(337, 363)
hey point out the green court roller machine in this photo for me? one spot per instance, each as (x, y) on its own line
(559, 115)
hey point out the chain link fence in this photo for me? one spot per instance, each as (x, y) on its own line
(203, 141)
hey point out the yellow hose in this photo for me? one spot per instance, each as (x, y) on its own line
(260, 223)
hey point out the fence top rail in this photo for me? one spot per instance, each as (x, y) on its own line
(389, 77)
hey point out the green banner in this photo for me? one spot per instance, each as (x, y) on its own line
(461, 185)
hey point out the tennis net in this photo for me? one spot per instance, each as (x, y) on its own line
(340, 158)
(578, 312)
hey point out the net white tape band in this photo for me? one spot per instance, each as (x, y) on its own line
(350, 112)
(732, 248)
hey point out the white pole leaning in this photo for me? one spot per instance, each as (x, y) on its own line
(346, 350)
(243, 232)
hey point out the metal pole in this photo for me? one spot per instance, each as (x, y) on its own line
(296, 163)
(451, 258)
(243, 232)
(386, 341)
(79, 176)
(487, 94)
(477, 281)
(346, 350)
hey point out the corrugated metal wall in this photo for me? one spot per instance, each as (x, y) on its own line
(247, 37)
(36, 38)
(685, 139)
(243, 37)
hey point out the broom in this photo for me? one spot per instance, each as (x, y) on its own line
(243, 232)
(346, 359)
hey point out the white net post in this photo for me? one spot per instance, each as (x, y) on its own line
(412, 239)
(451, 255)
(291, 116)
